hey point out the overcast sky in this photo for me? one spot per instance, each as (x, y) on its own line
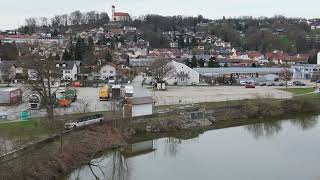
(13, 12)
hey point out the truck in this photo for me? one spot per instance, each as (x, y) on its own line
(10, 96)
(116, 92)
(127, 91)
(66, 97)
(34, 101)
(104, 93)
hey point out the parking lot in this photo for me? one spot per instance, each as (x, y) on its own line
(88, 98)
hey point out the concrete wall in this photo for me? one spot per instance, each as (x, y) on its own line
(142, 110)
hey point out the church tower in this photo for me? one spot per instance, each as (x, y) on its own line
(113, 11)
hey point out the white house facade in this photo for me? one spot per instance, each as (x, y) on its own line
(69, 70)
(181, 75)
(108, 71)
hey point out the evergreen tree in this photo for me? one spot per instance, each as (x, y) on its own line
(187, 42)
(89, 57)
(181, 43)
(194, 62)
(9, 51)
(80, 49)
(108, 56)
(201, 62)
(194, 42)
(187, 63)
(57, 57)
(213, 63)
(55, 33)
(66, 55)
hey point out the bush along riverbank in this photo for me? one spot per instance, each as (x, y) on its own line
(80, 146)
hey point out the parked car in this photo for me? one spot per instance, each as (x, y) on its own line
(83, 121)
(243, 83)
(270, 83)
(250, 85)
(281, 84)
(318, 81)
(289, 83)
(262, 83)
(299, 83)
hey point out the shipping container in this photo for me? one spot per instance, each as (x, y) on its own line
(10, 96)
(116, 92)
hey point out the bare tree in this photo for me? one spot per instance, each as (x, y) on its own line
(44, 21)
(41, 77)
(286, 76)
(56, 21)
(160, 69)
(76, 17)
(31, 22)
(65, 19)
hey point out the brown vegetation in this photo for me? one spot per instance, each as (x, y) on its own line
(51, 162)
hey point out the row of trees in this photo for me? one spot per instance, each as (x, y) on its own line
(74, 18)
(201, 62)
(264, 34)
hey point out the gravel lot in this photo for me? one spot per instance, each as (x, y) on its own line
(195, 94)
(88, 98)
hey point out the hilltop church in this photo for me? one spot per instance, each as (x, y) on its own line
(119, 16)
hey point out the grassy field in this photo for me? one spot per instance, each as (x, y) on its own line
(299, 91)
(38, 127)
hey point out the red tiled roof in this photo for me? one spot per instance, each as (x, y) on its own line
(15, 36)
(121, 14)
(254, 54)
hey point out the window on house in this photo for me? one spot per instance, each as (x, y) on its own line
(111, 72)
(104, 72)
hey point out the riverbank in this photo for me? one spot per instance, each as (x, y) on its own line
(53, 160)
(80, 146)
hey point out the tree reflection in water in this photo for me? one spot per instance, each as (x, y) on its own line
(306, 123)
(272, 128)
(113, 166)
(266, 129)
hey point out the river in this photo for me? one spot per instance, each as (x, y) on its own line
(276, 150)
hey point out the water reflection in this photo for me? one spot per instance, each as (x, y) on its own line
(305, 123)
(114, 165)
(136, 162)
(272, 128)
(266, 129)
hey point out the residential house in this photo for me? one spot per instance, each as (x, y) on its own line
(174, 45)
(279, 57)
(108, 71)
(181, 74)
(315, 26)
(68, 69)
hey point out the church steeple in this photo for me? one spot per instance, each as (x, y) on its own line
(113, 11)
